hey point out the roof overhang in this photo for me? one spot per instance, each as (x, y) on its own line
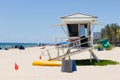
(92, 23)
(61, 24)
(97, 23)
(79, 20)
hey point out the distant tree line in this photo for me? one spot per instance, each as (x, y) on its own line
(112, 32)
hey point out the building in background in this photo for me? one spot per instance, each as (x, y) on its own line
(96, 35)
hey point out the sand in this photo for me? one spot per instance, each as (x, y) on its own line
(24, 59)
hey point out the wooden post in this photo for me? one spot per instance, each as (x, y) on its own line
(58, 53)
(49, 54)
(68, 52)
(63, 50)
(90, 58)
(89, 34)
(94, 56)
(79, 35)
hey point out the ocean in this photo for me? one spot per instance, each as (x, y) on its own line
(12, 45)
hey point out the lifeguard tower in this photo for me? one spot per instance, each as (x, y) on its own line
(79, 35)
(78, 28)
(79, 39)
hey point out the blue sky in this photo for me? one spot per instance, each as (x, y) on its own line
(33, 20)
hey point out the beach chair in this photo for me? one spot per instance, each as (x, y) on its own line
(105, 43)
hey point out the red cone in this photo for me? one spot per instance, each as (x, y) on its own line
(40, 57)
(16, 67)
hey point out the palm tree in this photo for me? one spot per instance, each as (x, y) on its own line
(110, 31)
(106, 32)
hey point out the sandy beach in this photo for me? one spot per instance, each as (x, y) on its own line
(25, 58)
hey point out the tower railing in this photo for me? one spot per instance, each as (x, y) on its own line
(68, 43)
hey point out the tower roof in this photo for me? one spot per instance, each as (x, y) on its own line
(78, 15)
(78, 18)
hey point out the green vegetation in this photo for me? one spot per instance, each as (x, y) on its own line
(106, 62)
(112, 33)
(98, 46)
(86, 62)
(111, 47)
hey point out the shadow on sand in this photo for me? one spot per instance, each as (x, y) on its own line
(86, 62)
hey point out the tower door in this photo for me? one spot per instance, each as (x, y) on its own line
(83, 30)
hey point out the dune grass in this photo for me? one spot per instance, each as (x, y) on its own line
(86, 62)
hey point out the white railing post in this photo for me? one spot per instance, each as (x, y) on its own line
(49, 54)
(58, 52)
